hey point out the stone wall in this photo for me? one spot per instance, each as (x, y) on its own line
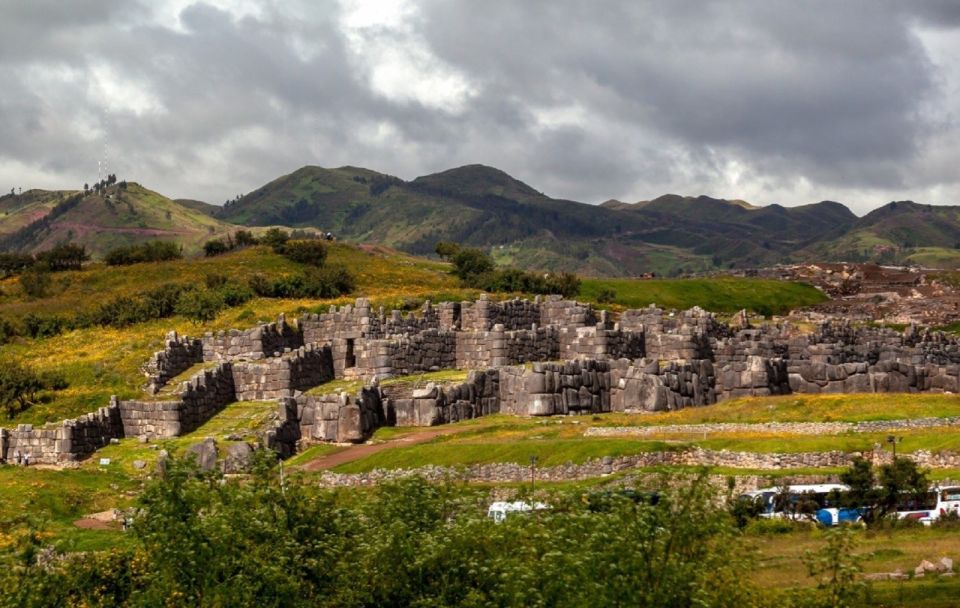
(340, 417)
(433, 404)
(177, 356)
(199, 399)
(429, 350)
(484, 314)
(68, 441)
(599, 342)
(654, 386)
(265, 340)
(282, 376)
(554, 310)
(579, 386)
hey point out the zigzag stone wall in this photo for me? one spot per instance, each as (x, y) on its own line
(265, 340)
(177, 356)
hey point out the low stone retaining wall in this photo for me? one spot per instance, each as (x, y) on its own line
(67, 441)
(513, 472)
(791, 428)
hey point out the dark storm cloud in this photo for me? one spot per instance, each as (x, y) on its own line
(581, 100)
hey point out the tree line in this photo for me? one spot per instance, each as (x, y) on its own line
(476, 269)
(199, 540)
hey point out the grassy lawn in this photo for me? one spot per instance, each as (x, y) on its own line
(882, 551)
(241, 421)
(53, 500)
(802, 408)
(717, 295)
(549, 452)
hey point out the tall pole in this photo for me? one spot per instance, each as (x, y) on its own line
(533, 474)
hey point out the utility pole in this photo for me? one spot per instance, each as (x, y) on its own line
(533, 473)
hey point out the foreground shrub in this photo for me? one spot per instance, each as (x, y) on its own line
(197, 540)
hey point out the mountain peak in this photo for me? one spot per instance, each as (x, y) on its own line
(476, 180)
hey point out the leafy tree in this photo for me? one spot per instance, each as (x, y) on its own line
(837, 570)
(447, 250)
(199, 306)
(19, 386)
(878, 494)
(469, 263)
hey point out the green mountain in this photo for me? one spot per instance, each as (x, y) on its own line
(114, 217)
(481, 206)
(485, 207)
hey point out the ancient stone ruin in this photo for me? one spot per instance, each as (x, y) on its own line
(543, 357)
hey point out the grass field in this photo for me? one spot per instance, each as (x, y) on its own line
(560, 439)
(717, 295)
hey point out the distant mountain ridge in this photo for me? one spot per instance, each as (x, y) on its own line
(482, 206)
(486, 207)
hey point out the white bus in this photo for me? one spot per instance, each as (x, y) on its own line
(802, 501)
(499, 511)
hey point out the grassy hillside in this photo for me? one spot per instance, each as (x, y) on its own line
(20, 210)
(118, 216)
(717, 295)
(98, 362)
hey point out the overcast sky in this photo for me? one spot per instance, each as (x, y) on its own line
(788, 102)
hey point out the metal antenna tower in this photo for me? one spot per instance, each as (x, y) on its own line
(102, 167)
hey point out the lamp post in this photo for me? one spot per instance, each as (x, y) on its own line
(893, 441)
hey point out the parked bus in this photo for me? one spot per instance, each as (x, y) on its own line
(927, 508)
(499, 511)
(796, 501)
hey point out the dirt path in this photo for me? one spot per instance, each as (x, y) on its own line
(89, 523)
(356, 452)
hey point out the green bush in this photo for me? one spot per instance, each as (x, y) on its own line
(215, 247)
(37, 326)
(151, 251)
(63, 257)
(312, 253)
(215, 280)
(35, 283)
(19, 386)
(470, 263)
(199, 306)
(275, 238)
(607, 296)
(261, 285)
(234, 294)
(202, 540)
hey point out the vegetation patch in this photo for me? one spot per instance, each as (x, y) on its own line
(763, 296)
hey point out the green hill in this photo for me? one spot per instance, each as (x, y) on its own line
(20, 210)
(117, 216)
